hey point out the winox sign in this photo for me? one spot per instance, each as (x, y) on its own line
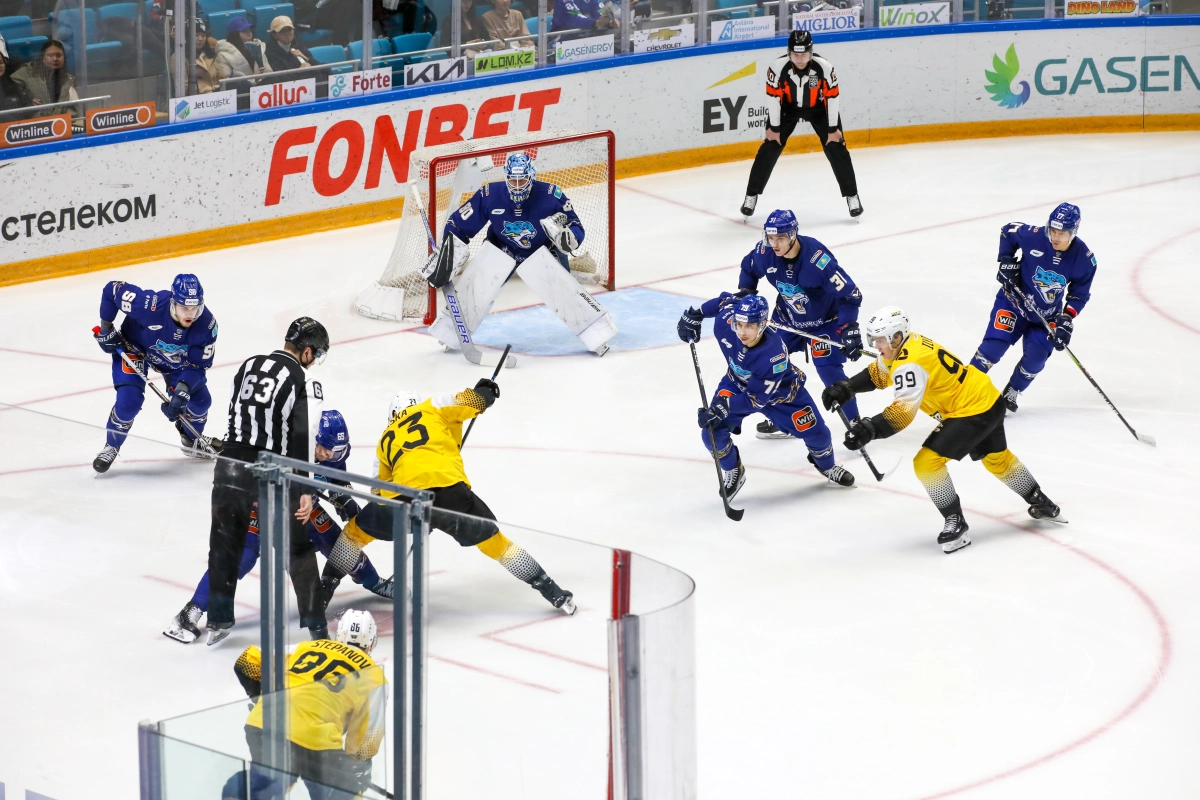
(1114, 75)
(349, 150)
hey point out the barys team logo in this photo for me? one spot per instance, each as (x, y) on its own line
(521, 233)
(1049, 284)
(1000, 81)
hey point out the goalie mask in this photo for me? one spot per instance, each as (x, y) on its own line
(519, 173)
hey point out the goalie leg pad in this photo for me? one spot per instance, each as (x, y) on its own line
(586, 318)
(477, 287)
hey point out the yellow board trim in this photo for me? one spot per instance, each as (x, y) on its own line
(380, 210)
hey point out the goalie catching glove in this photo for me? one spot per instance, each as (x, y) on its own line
(442, 265)
(559, 231)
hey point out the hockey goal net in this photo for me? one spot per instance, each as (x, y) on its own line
(581, 164)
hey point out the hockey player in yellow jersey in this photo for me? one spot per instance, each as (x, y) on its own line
(420, 449)
(337, 711)
(929, 378)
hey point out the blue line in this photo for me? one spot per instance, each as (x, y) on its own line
(523, 76)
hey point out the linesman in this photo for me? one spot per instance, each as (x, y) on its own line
(802, 86)
(274, 407)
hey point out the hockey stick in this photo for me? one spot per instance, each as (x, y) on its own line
(866, 350)
(734, 514)
(496, 372)
(469, 350)
(129, 362)
(1144, 438)
(879, 476)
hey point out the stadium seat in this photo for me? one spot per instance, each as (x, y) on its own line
(122, 10)
(379, 47)
(316, 37)
(532, 24)
(261, 16)
(328, 53)
(410, 42)
(218, 22)
(65, 24)
(218, 5)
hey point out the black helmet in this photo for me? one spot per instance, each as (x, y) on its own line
(307, 332)
(800, 42)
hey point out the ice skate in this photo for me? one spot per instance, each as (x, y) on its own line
(557, 596)
(216, 634)
(1010, 396)
(839, 475)
(954, 534)
(183, 625)
(748, 205)
(105, 458)
(767, 430)
(734, 480)
(196, 448)
(1041, 507)
(855, 205)
(385, 588)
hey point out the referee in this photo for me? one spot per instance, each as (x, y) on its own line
(274, 407)
(805, 87)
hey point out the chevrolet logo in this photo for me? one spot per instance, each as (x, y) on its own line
(662, 34)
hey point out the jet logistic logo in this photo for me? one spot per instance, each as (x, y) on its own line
(1000, 81)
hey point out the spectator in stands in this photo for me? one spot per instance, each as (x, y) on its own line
(505, 22)
(240, 54)
(598, 15)
(283, 52)
(12, 94)
(470, 29)
(208, 72)
(46, 80)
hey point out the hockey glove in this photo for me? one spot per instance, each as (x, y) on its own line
(345, 506)
(1009, 273)
(689, 325)
(109, 338)
(558, 231)
(441, 265)
(852, 339)
(488, 390)
(860, 433)
(715, 414)
(179, 400)
(362, 775)
(1064, 326)
(837, 395)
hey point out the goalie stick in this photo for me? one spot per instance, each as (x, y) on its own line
(129, 362)
(496, 372)
(734, 514)
(1144, 438)
(469, 350)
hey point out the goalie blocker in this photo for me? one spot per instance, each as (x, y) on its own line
(484, 276)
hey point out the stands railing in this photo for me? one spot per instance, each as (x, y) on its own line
(18, 113)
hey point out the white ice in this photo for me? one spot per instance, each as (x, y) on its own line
(840, 654)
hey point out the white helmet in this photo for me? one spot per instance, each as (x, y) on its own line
(886, 323)
(357, 628)
(403, 399)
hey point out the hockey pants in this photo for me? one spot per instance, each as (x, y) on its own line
(836, 152)
(799, 417)
(131, 393)
(1007, 326)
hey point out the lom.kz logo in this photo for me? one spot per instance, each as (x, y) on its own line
(1000, 82)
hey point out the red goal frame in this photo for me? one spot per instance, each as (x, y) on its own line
(434, 163)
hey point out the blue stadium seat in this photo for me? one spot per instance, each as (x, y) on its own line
(410, 42)
(379, 47)
(26, 48)
(329, 53)
(103, 59)
(532, 24)
(218, 5)
(122, 10)
(65, 25)
(316, 37)
(16, 28)
(262, 16)
(218, 22)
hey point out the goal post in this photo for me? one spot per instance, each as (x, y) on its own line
(582, 164)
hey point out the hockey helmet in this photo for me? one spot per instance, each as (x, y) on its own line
(781, 221)
(334, 436)
(307, 332)
(885, 324)
(357, 628)
(1065, 218)
(800, 42)
(403, 399)
(519, 173)
(187, 299)
(752, 310)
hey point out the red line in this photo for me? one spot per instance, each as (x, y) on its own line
(494, 674)
(1140, 291)
(50, 355)
(11, 406)
(547, 653)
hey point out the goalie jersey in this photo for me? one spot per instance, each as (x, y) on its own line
(515, 228)
(335, 691)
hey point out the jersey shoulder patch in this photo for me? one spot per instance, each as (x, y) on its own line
(317, 392)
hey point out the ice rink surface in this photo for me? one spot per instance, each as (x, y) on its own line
(840, 653)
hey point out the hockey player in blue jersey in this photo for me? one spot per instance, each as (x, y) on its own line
(171, 332)
(532, 229)
(815, 295)
(1053, 270)
(760, 379)
(333, 448)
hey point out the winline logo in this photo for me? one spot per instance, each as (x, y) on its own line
(1000, 80)
(42, 130)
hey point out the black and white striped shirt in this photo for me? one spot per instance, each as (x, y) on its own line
(274, 407)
